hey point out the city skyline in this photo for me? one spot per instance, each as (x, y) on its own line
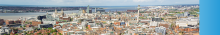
(98, 2)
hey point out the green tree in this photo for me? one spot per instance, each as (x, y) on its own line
(60, 34)
(48, 33)
(54, 30)
(16, 34)
(162, 18)
(87, 27)
(50, 28)
(24, 26)
(104, 22)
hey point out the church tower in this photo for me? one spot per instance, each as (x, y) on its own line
(62, 12)
(55, 10)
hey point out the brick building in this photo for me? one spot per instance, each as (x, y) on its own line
(35, 23)
(65, 18)
(2, 21)
(132, 10)
(17, 21)
(7, 22)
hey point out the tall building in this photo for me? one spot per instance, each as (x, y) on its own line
(138, 12)
(56, 14)
(2, 21)
(186, 14)
(80, 10)
(83, 11)
(90, 11)
(161, 29)
(87, 10)
(156, 19)
(95, 9)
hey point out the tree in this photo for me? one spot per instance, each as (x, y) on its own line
(24, 26)
(55, 33)
(16, 34)
(5, 34)
(87, 27)
(50, 28)
(53, 30)
(60, 34)
(48, 33)
(39, 33)
(162, 18)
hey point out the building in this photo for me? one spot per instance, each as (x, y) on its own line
(166, 25)
(41, 17)
(87, 10)
(4, 30)
(99, 11)
(65, 18)
(45, 25)
(161, 29)
(186, 14)
(17, 21)
(76, 33)
(49, 22)
(90, 11)
(14, 25)
(56, 14)
(185, 22)
(7, 22)
(2, 21)
(132, 10)
(153, 24)
(36, 23)
(156, 19)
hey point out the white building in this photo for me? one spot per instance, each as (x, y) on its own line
(161, 29)
(184, 22)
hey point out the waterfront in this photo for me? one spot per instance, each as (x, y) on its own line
(17, 15)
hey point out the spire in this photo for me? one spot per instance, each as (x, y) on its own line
(47, 12)
(61, 10)
(55, 10)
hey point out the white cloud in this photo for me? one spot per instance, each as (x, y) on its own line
(143, 0)
(58, 1)
(161, 1)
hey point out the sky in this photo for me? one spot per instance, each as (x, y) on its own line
(98, 2)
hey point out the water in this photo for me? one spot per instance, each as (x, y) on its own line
(18, 15)
(118, 8)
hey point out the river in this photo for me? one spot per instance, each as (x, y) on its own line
(18, 15)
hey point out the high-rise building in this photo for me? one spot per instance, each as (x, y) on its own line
(186, 14)
(138, 13)
(156, 19)
(90, 11)
(95, 9)
(87, 10)
(161, 29)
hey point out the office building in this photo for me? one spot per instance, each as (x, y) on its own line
(87, 10)
(161, 29)
(156, 19)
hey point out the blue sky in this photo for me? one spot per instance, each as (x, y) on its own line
(97, 2)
